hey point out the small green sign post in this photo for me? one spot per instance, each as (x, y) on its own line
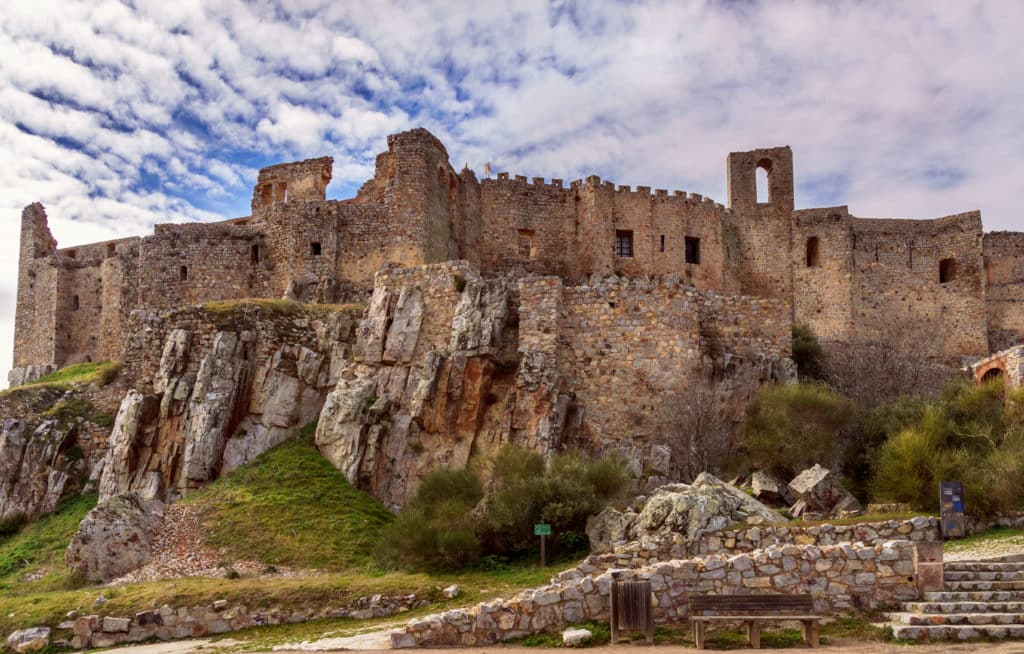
(543, 530)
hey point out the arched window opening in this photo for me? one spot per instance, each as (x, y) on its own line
(947, 270)
(75, 305)
(254, 254)
(813, 260)
(763, 174)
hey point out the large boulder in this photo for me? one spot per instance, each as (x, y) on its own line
(768, 489)
(29, 640)
(692, 510)
(609, 527)
(114, 538)
(818, 490)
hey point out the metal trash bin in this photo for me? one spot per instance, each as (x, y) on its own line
(632, 609)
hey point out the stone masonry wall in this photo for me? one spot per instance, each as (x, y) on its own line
(1004, 290)
(839, 577)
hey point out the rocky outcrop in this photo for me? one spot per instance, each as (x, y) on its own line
(28, 374)
(691, 510)
(449, 366)
(212, 390)
(115, 537)
(819, 490)
(35, 466)
(28, 640)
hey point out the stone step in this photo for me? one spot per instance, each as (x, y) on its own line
(956, 632)
(973, 619)
(975, 596)
(981, 566)
(983, 575)
(983, 585)
(964, 607)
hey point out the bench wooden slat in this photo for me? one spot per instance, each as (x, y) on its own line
(752, 610)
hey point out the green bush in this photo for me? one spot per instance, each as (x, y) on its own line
(450, 523)
(807, 352)
(434, 531)
(971, 434)
(791, 427)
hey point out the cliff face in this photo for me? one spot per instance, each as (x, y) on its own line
(212, 389)
(449, 366)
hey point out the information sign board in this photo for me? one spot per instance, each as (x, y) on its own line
(951, 507)
(542, 529)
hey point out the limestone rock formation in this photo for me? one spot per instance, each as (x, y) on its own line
(115, 537)
(819, 490)
(34, 468)
(28, 374)
(768, 489)
(691, 510)
(213, 391)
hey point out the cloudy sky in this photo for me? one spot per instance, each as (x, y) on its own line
(119, 115)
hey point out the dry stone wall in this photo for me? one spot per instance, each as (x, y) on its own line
(839, 578)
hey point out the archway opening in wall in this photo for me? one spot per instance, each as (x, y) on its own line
(947, 270)
(993, 375)
(813, 260)
(763, 175)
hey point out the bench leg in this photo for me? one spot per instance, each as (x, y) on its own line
(698, 633)
(815, 633)
(754, 633)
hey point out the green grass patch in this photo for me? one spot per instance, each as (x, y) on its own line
(290, 506)
(100, 373)
(1003, 535)
(274, 307)
(37, 549)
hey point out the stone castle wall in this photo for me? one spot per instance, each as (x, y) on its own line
(868, 278)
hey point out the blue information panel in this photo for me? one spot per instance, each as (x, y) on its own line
(951, 506)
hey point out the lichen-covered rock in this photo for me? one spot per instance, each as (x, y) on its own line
(115, 537)
(819, 490)
(28, 374)
(706, 505)
(608, 527)
(768, 489)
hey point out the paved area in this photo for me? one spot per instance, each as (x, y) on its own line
(988, 549)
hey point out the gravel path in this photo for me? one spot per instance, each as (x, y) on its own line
(993, 548)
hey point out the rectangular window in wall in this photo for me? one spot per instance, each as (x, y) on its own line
(526, 246)
(661, 247)
(692, 252)
(315, 249)
(623, 243)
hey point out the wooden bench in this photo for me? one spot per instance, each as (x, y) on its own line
(753, 610)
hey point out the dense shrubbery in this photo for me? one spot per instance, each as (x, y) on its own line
(808, 354)
(792, 427)
(451, 522)
(973, 434)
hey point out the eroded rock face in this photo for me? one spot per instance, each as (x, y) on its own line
(114, 538)
(691, 510)
(28, 374)
(219, 393)
(33, 474)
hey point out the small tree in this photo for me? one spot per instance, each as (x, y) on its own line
(807, 353)
(701, 426)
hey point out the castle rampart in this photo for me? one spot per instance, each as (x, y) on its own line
(845, 276)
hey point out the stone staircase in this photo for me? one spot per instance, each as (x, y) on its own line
(980, 599)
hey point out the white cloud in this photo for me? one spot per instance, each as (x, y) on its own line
(119, 117)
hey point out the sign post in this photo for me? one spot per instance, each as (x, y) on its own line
(543, 530)
(951, 507)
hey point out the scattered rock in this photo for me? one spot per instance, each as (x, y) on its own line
(220, 605)
(451, 592)
(819, 491)
(576, 637)
(100, 601)
(29, 640)
(115, 537)
(768, 489)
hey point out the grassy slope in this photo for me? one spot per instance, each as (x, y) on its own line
(38, 549)
(100, 374)
(291, 506)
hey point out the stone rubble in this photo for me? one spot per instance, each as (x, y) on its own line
(28, 640)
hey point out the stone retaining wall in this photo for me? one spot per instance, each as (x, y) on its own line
(167, 623)
(840, 577)
(749, 538)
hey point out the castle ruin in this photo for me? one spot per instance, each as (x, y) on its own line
(958, 289)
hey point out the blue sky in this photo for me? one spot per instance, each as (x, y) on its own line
(121, 115)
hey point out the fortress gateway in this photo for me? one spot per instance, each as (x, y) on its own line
(961, 290)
